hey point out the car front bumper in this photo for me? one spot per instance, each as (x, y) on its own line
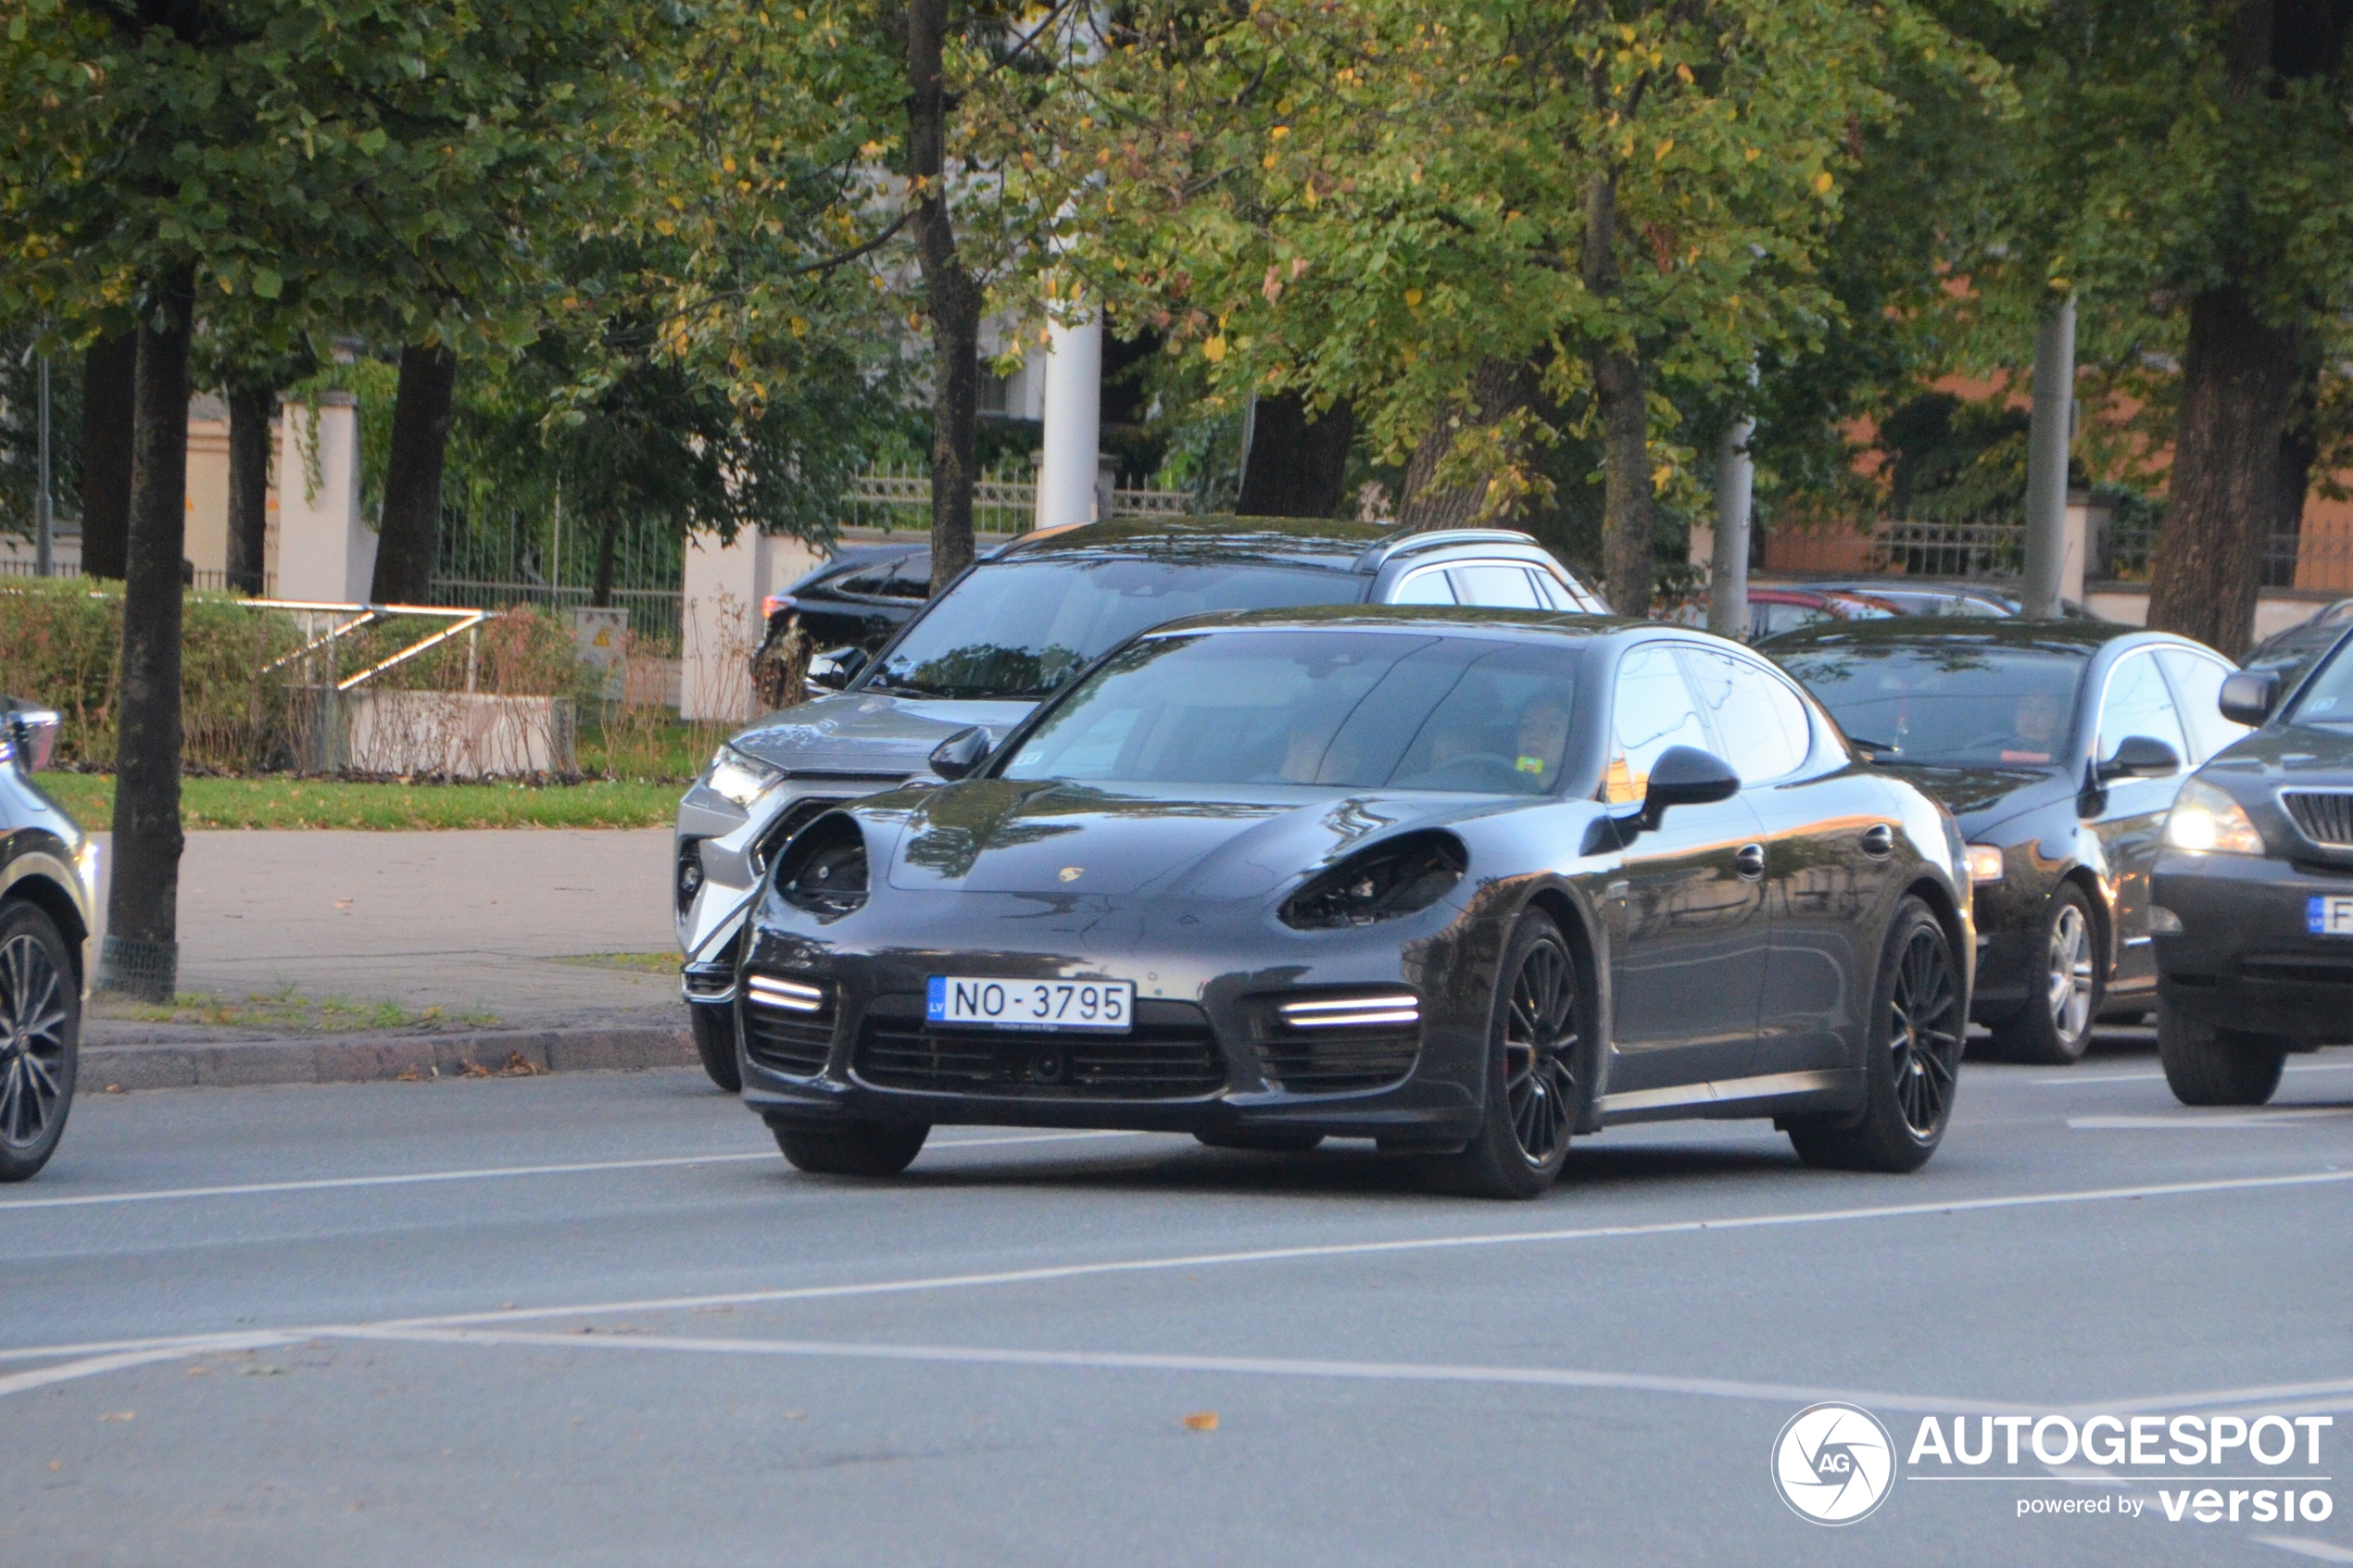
(2244, 957)
(1214, 986)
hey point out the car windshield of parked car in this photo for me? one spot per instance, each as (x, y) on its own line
(1350, 710)
(1022, 629)
(1958, 704)
(2329, 698)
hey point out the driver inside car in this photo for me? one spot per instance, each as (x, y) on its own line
(2038, 717)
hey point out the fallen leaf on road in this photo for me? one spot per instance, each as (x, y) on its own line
(117, 1415)
(200, 1371)
(518, 1066)
(343, 903)
(114, 1088)
(55, 1465)
(1202, 1421)
(796, 1415)
(261, 1371)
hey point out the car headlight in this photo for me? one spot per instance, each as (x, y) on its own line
(740, 779)
(1984, 862)
(1400, 877)
(2208, 819)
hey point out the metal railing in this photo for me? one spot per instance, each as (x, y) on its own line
(2118, 552)
(655, 614)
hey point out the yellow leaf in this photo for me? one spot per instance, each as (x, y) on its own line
(1269, 161)
(1664, 148)
(1412, 298)
(1822, 184)
(1684, 73)
(1750, 154)
(2060, 285)
(1278, 132)
(1660, 477)
(1213, 350)
(1202, 1421)
(728, 164)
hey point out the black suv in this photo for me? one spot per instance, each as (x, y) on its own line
(48, 879)
(858, 598)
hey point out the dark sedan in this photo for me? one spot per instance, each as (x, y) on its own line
(48, 874)
(1462, 881)
(2059, 746)
(858, 598)
(2254, 890)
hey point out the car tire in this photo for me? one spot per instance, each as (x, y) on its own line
(1911, 1068)
(1533, 1043)
(714, 1030)
(2054, 1026)
(856, 1148)
(2205, 1065)
(1262, 1143)
(40, 1023)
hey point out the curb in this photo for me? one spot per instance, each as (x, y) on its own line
(364, 1058)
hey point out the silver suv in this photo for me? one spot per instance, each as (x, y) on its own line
(1010, 631)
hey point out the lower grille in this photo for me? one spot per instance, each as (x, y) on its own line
(1170, 1055)
(2326, 816)
(1330, 1063)
(2314, 971)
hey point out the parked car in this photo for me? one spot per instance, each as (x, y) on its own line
(48, 878)
(2059, 746)
(1462, 881)
(1916, 598)
(858, 598)
(1014, 629)
(2294, 652)
(1774, 610)
(2253, 892)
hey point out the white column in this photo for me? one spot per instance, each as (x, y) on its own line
(2050, 433)
(1727, 572)
(326, 551)
(1073, 423)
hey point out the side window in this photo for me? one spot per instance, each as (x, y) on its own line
(2197, 686)
(911, 579)
(1650, 710)
(2138, 703)
(1424, 588)
(865, 585)
(1563, 596)
(1761, 723)
(1498, 586)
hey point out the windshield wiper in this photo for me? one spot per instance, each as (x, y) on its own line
(1877, 747)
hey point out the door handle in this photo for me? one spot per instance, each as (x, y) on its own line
(1750, 861)
(1878, 839)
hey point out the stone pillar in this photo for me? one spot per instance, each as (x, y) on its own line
(326, 551)
(724, 617)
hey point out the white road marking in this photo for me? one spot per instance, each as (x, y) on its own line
(2197, 1121)
(494, 1173)
(2322, 1550)
(2159, 1077)
(92, 1366)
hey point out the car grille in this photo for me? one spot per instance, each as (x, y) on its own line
(1171, 1055)
(788, 1040)
(1331, 1044)
(2300, 968)
(2326, 816)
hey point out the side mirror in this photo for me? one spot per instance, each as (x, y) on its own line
(1684, 776)
(34, 733)
(961, 753)
(2141, 756)
(832, 672)
(2247, 695)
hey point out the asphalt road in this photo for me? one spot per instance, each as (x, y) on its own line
(595, 1320)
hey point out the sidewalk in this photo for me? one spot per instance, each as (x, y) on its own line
(476, 924)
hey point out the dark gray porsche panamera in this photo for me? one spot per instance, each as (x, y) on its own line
(1463, 882)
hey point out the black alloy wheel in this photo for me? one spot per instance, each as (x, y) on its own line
(1912, 1066)
(1531, 1091)
(40, 1036)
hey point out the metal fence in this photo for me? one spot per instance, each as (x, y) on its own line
(2119, 551)
(1002, 504)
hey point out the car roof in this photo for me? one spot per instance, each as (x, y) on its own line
(2085, 637)
(1333, 543)
(1530, 624)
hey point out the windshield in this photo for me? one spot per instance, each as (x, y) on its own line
(2329, 699)
(1356, 710)
(1023, 629)
(1961, 705)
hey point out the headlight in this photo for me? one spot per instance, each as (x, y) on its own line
(1400, 877)
(2206, 818)
(1985, 862)
(741, 779)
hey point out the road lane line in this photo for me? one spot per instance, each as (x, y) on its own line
(93, 1366)
(1255, 1366)
(1374, 1249)
(495, 1173)
(2159, 1077)
(2199, 1121)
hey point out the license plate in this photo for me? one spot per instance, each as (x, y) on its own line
(1104, 1006)
(2330, 914)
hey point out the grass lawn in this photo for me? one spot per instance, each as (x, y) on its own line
(284, 1010)
(288, 802)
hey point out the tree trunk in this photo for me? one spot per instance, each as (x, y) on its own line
(608, 546)
(410, 534)
(109, 370)
(142, 952)
(251, 425)
(1298, 462)
(2236, 380)
(1622, 388)
(1498, 389)
(951, 297)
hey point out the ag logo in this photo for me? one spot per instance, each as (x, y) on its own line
(1833, 1463)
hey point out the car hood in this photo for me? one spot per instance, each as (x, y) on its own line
(1071, 841)
(1980, 797)
(2314, 755)
(868, 733)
